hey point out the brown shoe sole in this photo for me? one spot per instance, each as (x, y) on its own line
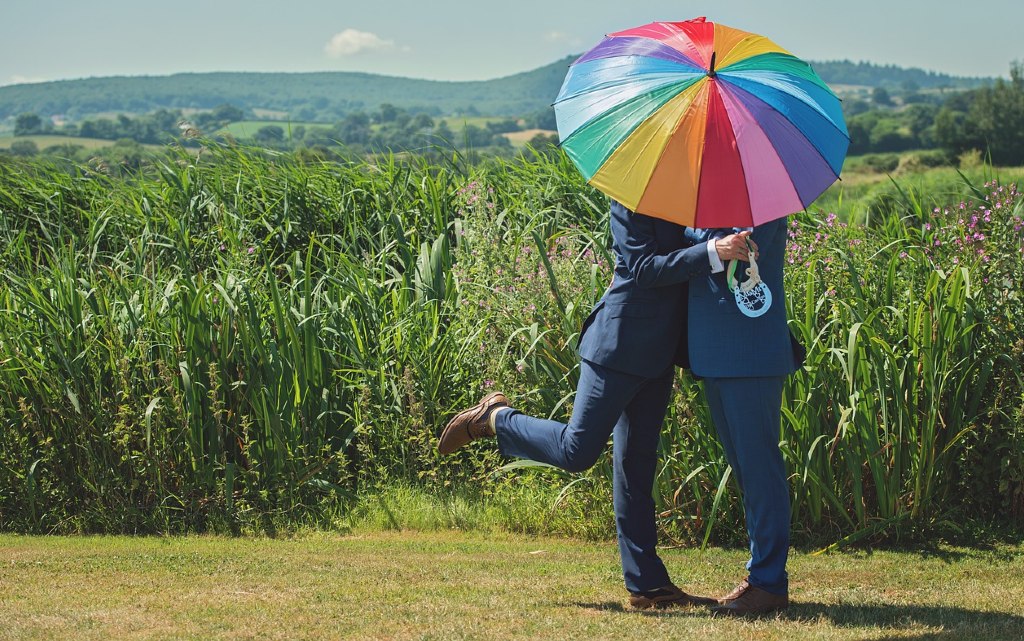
(738, 608)
(748, 613)
(640, 602)
(450, 440)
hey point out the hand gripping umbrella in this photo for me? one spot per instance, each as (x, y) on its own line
(701, 124)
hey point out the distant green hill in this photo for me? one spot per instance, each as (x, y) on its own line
(845, 72)
(327, 96)
(322, 96)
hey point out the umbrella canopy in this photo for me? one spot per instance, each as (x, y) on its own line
(701, 124)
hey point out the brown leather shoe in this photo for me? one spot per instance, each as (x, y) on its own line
(471, 424)
(746, 600)
(665, 597)
(735, 593)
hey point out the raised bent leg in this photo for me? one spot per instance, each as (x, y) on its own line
(601, 396)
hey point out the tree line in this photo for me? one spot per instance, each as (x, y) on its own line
(159, 127)
(389, 129)
(989, 119)
(329, 96)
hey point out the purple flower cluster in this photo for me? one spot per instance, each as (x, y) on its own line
(475, 196)
(972, 231)
(808, 239)
(968, 232)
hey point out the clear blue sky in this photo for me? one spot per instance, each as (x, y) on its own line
(450, 40)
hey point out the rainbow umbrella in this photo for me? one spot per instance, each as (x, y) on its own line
(701, 124)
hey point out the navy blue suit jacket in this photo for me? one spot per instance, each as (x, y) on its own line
(639, 325)
(726, 344)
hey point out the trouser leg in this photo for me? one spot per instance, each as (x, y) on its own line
(635, 408)
(714, 399)
(747, 415)
(635, 447)
(601, 396)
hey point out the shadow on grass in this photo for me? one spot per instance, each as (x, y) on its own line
(900, 615)
(956, 622)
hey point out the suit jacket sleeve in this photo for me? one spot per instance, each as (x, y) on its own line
(635, 243)
(707, 235)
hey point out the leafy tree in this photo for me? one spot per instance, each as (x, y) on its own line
(543, 119)
(165, 120)
(24, 148)
(880, 96)
(421, 122)
(228, 113)
(387, 113)
(269, 135)
(910, 86)
(855, 106)
(888, 135)
(920, 118)
(28, 124)
(860, 136)
(505, 126)
(444, 133)
(546, 144)
(103, 128)
(955, 132)
(477, 137)
(354, 129)
(990, 118)
(306, 114)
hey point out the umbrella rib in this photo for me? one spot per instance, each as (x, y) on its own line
(673, 78)
(799, 132)
(738, 114)
(743, 170)
(727, 75)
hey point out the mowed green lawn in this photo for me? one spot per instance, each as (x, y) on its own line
(456, 585)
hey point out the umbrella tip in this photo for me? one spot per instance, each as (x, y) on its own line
(711, 68)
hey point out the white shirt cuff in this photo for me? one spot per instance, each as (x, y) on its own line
(716, 262)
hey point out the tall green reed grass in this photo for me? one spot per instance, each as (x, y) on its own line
(239, 338)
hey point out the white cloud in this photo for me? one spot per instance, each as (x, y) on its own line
(351, 42)
(562, 37)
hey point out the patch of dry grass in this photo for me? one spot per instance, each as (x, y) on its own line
(454, 585)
